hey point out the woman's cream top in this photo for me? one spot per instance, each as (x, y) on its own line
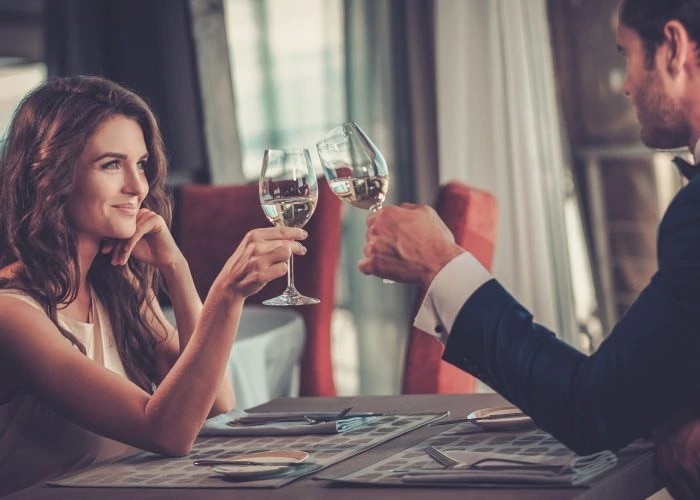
(37, 443)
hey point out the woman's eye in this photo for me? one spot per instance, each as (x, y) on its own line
(111, 165)
(142, 165)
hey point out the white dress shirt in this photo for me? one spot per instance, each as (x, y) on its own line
(453, 286)
(448, 292)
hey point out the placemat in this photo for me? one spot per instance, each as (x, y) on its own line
(467, 436)
(149, 470)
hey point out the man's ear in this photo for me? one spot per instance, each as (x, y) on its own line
(680, 48)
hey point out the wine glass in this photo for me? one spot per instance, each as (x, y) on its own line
(354, 167)
(288, 194)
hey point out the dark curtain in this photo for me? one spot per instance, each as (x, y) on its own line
(145, 45)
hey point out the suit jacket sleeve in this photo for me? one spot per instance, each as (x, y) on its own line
(646, 370)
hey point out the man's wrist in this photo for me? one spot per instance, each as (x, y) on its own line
(440, 262)
(447, 293)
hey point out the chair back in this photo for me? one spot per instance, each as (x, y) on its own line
(471, 216)
(209, 223)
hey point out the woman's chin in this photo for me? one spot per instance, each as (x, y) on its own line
(122, 233)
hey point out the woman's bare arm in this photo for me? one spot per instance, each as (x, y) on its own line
(96, 398)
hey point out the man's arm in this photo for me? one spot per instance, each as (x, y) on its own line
(644, 372)
(641, 375)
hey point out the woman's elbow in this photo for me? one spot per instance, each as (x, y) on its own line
(224, 403)
(173, 447)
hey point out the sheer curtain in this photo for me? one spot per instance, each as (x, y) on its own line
(301, 67)
(375, 54)
(499, 129)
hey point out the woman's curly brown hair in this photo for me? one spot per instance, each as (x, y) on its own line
(48, 132)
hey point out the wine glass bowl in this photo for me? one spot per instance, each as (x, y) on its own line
(354, 167)
(288, 194)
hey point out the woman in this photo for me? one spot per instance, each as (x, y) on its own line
(89, 366)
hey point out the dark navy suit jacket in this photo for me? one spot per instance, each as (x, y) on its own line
(647, 369)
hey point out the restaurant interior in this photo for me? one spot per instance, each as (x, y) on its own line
(507, 117)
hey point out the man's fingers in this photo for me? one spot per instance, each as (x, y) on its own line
(410, 206)
(382, 266)
(365, 266)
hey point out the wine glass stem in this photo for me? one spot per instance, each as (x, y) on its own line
(290, 273)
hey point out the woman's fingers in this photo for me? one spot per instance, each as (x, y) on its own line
(266, 246)
(108, 245)
(277, 233)
(262, 256)
(146, 222)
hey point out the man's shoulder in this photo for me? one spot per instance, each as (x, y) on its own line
(686, 203)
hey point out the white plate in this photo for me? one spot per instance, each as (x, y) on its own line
(243, 472)
(515, 422)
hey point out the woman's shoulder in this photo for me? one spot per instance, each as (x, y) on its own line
(7, 273)
(19, 295)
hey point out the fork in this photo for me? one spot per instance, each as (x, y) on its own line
(506, 464)
(440, 457)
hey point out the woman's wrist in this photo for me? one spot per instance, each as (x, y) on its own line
(227, 296)
(174, 268)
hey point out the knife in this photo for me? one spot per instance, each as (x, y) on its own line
(497, 416)
(261, 419)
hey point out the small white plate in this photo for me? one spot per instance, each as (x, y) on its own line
(243, 472)
(515, 422)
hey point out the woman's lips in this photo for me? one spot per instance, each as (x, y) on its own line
(127, 209)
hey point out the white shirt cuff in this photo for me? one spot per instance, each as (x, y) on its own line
(448, 292)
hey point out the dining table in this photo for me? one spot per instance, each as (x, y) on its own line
(631, 478)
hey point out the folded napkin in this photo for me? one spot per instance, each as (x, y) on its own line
(262, 424)
(576, 469)
(489, 477)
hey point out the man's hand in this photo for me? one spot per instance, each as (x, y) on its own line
(407, 243)
(678, 459)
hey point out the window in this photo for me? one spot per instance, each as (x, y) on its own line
(15, 82)
(287, 64)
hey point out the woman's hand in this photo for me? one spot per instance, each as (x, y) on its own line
(262, 256)
(151, 243)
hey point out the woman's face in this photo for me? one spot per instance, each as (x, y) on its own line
(110, 182)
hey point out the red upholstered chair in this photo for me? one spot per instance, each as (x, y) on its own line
(210, 221)
(471, 216)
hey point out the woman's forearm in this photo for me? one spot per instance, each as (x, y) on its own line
(187, 307)
(185, 300)
(187, 390)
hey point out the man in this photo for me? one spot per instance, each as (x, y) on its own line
(647, 372)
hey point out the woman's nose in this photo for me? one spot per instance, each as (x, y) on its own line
(135, 181)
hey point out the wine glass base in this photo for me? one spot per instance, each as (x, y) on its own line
(291, 298)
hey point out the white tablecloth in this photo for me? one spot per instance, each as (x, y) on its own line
(265, 357)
